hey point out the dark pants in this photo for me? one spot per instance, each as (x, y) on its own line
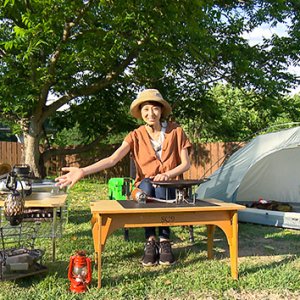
(157, 192)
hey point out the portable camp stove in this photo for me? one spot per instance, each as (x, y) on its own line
(24, 175)
(19, 178)
(183, 189)
(183, 192)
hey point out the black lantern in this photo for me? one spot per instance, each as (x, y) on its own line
(13, 208)
(14, 202)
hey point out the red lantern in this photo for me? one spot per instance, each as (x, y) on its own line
(80, 272)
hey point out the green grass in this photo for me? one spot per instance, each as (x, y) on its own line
(269, 263)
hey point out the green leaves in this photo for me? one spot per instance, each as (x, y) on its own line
(95, 55)
(6, 2)
(232, 114)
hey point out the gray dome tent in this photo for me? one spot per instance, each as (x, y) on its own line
(268, 167)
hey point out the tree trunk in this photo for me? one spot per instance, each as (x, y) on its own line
(32, 131)
(32, 154)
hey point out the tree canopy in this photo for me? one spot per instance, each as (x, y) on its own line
(93, 56)
(237, 115)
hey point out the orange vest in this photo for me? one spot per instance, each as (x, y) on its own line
(146, 162)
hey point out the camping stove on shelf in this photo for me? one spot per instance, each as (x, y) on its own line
(19, 178)
(25, 176)
(183, 191)
(18, 258)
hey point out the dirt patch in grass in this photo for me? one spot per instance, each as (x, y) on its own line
(243, 295)
(262, 295)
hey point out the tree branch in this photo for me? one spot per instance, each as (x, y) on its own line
(91, 89)
(56, 54)
(69, 151)
(110, 76)
(2, 53)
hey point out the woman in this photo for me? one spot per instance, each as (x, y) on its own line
(160, 152)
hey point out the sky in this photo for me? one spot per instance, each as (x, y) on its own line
(255, 37)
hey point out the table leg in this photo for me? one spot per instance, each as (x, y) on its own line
(99, 254)
(210, 240)
(54, 219)
(233, 247)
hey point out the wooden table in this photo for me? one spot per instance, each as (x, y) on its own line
(109, 215)
(45, 200)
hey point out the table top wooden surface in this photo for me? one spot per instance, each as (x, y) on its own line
(113, 206)
(43, 199)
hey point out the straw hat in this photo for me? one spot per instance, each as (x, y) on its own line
(149, 95)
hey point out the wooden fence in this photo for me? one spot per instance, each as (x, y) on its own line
(205, 159)
(10, 153)
(208, 157)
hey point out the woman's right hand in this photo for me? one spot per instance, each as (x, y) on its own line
(73, 175)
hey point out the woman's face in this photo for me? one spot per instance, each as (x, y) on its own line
(151, 113)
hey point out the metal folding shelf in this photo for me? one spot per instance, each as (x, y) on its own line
(18, 257)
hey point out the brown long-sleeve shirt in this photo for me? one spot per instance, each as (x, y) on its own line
(146, 162)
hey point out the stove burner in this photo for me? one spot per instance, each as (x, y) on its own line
(183, 189)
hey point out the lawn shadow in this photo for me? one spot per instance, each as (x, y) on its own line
(267, 266)
(57, 268)
(257, 240)
(148, 273)
(78, 234)
(29, 281)
(79, 216)
(262, 240)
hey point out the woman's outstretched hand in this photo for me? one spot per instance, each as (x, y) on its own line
(73, 175)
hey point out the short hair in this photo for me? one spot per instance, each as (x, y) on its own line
(155, 103)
